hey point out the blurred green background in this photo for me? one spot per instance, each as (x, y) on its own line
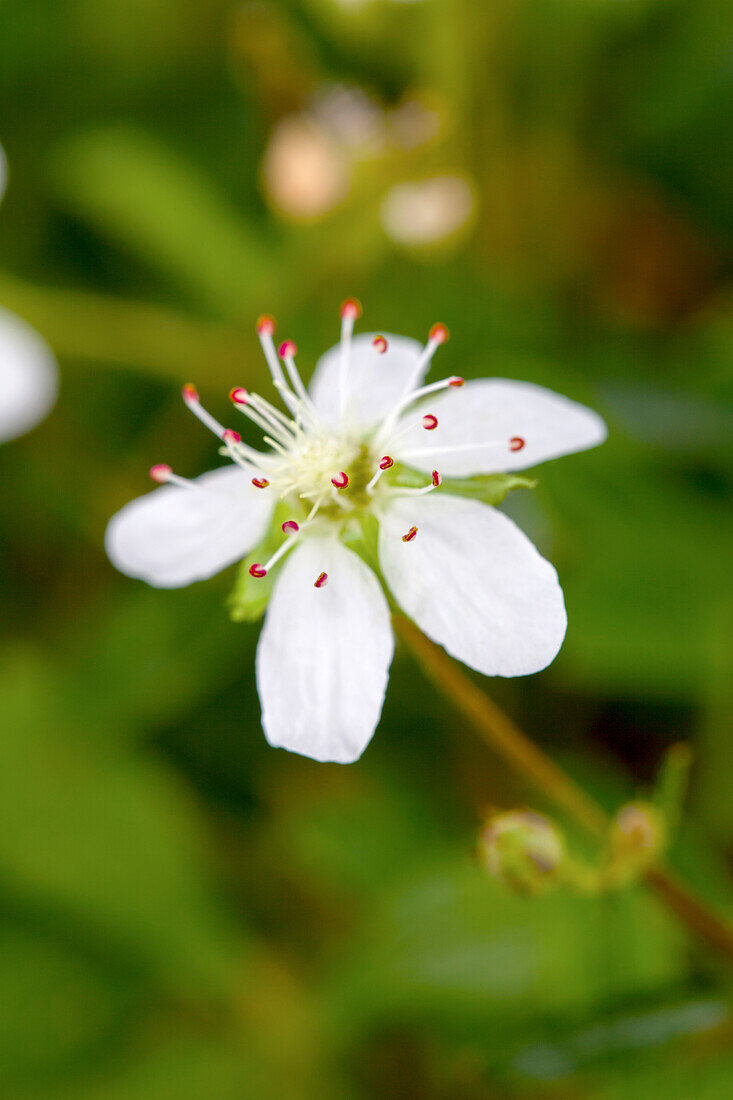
(185, 912)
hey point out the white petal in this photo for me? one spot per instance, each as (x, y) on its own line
(495, 410)
(375, 381)
(324, 654)
(28, 376)
(175, 535)
(474, 583)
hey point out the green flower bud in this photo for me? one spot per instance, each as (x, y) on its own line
(523, 849)
(638, 834)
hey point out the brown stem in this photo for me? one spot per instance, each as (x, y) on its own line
(525, 758)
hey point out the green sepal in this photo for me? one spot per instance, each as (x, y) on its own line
(491, 488)
(250, 595)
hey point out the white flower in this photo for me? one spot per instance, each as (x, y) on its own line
(28, 372)
(348, 453)
(423, 213)
(305, 171)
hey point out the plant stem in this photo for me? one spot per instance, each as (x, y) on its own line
(529, 761)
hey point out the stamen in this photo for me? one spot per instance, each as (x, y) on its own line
(341, 480)
(287, 351)
(350, 311)
(294, 533)
(284, 548)
(251, 408)
(457, 448)
(160, 473)
(516, 443)
(385, 463)
(266, 331)
(230, 436)
(351, 308)
(410, 535)
(265, 416)
(402, 491)
(429, 422)
(438, 335)
(321, 580)
(439, 332)
(164, 475)
(380, 344)
(191, 398)
(409, 399)
(260, 482)
(274, 414)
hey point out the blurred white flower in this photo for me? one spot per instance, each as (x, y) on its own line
(352, 118)
(414, 123)
(353, 461)
(428, 211)
(28, 376)
(28, 371)
(305, 171)
(311, 155)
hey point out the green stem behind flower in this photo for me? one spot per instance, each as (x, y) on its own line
(529, 761)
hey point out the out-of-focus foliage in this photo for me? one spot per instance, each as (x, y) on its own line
(185, 912)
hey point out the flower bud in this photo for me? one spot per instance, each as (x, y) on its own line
(637, 832)
(523, 849)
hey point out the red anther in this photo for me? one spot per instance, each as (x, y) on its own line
(190, 393)
(230, 436)
(456, 381)
(341, 480)
(160, 473)
(439, 333)
(320, 580)
(386, 463)
(410, 535)
(437, 479)
(290, 527)
(266, 325)
(257, 570)
(288, 349)
(380, 343)
(239, 395)
(351, 307)
(429, 422)
(516, 443)
(260, 482)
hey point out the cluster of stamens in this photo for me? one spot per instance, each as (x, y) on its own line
(304, 460)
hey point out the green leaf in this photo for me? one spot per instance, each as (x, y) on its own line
(110, 840)
(48, 989)
(164, 209)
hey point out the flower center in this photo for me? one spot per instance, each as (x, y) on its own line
(329, 471)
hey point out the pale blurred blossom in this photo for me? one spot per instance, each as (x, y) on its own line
(427, 211)
(413, 123)
(311, 155)
(28, 371)
(352, 118)
(305, 171)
